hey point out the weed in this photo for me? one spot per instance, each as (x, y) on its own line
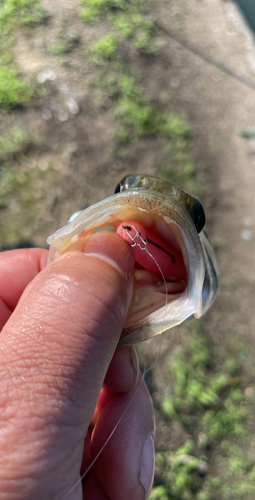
(217, 402)
(105, 48)
(15, 13)
(15, 143)
(136, 113)
(125, 24)
(173, 126)
(127, 16)
(94, 8)
(182, 477)
(159, 493)
(13, 91)
(29, 186)
(136, 26)
(60, 48)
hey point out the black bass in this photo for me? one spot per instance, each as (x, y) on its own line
(176, 274)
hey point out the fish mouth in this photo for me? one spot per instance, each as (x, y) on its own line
(160, 275)
(161, 235)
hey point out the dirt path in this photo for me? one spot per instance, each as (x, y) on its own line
(220, 109)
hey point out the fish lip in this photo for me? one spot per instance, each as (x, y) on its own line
(140, 194)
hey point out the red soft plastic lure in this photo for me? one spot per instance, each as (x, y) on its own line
(148, 246)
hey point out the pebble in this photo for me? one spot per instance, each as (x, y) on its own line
(247, 235)
(43, 165)
(202, 439)
(62, 116)
(63, 87)
(174, 82)
(72, 105)
(230, 32)
(46, 74)
(46, 114)
(249, 392)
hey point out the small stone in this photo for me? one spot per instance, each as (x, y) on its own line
(202, 439)
(46, 74)
(62, 116)
(247, 235)
(43, 165)
(50, 75)
(72, 105)
(240, 71)
(202, 468)
(41, 78)
(54, 105)
(249, 392)
(63, 87)
(216, 78)
(46, 114)
(249, 102)
(248, 221)
(175, 82)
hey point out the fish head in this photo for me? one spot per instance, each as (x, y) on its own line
(176, 274)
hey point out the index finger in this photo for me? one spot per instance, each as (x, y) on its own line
(17, 269)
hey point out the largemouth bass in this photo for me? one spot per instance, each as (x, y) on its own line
(176, 274)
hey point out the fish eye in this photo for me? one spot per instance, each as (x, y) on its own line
(198, 216)
(128, 182)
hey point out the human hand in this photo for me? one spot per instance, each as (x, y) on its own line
(64, 385)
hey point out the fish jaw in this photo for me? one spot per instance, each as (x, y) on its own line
(170, 220)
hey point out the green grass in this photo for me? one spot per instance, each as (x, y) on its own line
(95, 8)
(136, 116)
(13, 91)
(198, 390)
(209, 402)
(28, 185)
(15, 143)
(60, 48)
(15, 13)
(134, 111)
(127, 16)
(105, 48)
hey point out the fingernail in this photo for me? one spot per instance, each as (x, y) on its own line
(110, 247)
(147, 468)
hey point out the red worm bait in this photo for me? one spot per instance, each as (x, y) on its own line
(149, 248)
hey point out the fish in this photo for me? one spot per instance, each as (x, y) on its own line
(176, 275)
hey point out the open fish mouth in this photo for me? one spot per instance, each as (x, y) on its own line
(175, 267)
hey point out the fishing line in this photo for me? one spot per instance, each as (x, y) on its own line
(144, 248)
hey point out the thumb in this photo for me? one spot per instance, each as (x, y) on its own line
(55, 352)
